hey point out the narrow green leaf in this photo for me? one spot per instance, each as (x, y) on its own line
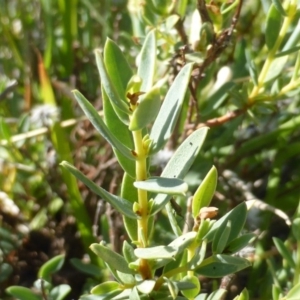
(134, 295)
(122, 296)
(170, 251)
(118, 100)
(163, 7)
(285, 253)
(158, 252)
(181, 6)
(100, 126)
(51, 266)
(204, 228)
(113, 259)
(171, 21)
(221, 237)
(147, 64)
(120, 204)
(205, 191)
(192, 292)
(240, 242)
(173, 289)
(119, 73)
(117, 67)
(148, 15)
(214, 101)
(276, 292)
(129, 192)
(198, 257)
(273, 26)
(180, 163)
(279, 7)
(170, 264)
(171, 207)
(237, 216)
(221, 265)
(293, 39)
(60, 292)
(170, 109)
(251, 67)
(172, 186)
(121, 132)
(126, 279)
(289, 51)
(22, 293)
(276, 68)
(105, 288)
(146, 111)
(128, 252)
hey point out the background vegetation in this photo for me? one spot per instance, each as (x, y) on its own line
(246, 88)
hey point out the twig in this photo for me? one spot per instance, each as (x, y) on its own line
(180, 29)
(217, 121)
(217, 46)
(221, 41)
(251, 199)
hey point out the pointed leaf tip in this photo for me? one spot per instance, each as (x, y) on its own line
(118, 100)
(120, 204)
(100, 126)
(169, 112)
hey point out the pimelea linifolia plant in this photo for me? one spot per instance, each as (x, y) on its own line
(137, 123)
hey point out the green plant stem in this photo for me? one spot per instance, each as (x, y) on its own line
(141, 174)
(271, 55)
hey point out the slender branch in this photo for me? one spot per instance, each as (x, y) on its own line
(218, 121)
(141, 174)
(252, 200)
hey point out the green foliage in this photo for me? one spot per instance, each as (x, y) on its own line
(136, 277)
(43, 285)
